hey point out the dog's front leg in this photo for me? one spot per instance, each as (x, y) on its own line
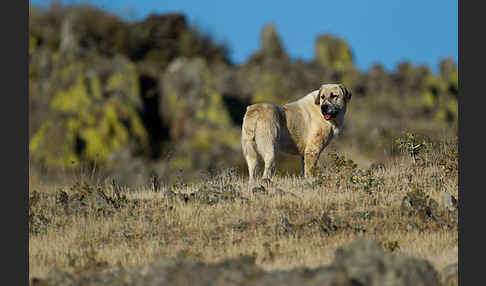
(310, 161)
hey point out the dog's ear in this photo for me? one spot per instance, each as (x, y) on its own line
(347, 93)
(317, 99)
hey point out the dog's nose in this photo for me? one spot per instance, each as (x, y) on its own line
(324, 108)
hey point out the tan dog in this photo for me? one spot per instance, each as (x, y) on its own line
(303, 127)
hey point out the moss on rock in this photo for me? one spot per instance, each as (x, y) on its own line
(333, 52)
(93, 113)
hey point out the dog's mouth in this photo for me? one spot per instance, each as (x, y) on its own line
(328, 112)
(329, 116)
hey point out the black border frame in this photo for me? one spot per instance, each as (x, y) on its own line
(470, 111)
(14, 212)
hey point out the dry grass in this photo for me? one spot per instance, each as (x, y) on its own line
(278, 230)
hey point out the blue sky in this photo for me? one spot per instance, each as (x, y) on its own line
(385, 32)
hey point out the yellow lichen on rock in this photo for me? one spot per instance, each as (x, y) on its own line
(37, 140)
(72, 100)
(333, 52)
(448, 113)
(92, 118)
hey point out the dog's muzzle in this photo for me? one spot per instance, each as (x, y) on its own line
(328, 111)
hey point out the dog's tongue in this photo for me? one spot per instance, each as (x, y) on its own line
(327, 116)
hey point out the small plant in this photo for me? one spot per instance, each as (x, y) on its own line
(342, 167)
(241, 225)
(180, 182)
(339, 163)
(38, 223)
(366, 180)
(411, 145)
(83, 198)
(33, 199)
(391, 245)
(327, 224)
(188, 254)
(364, 215)
(359, 228)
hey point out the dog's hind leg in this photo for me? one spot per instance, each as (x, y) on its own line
(269, 160)
(251, 158)
(267, 144)
(248, 143)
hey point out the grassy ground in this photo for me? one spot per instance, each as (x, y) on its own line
(285, 223)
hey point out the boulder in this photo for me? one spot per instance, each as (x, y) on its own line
(332, 52)
(197, 117)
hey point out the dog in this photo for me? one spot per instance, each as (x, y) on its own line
(303, 127)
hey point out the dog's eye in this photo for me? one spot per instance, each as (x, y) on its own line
(333, 95)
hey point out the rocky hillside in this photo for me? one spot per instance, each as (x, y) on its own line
(159, 98)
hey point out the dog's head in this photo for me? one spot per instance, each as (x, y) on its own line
(332, 99)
